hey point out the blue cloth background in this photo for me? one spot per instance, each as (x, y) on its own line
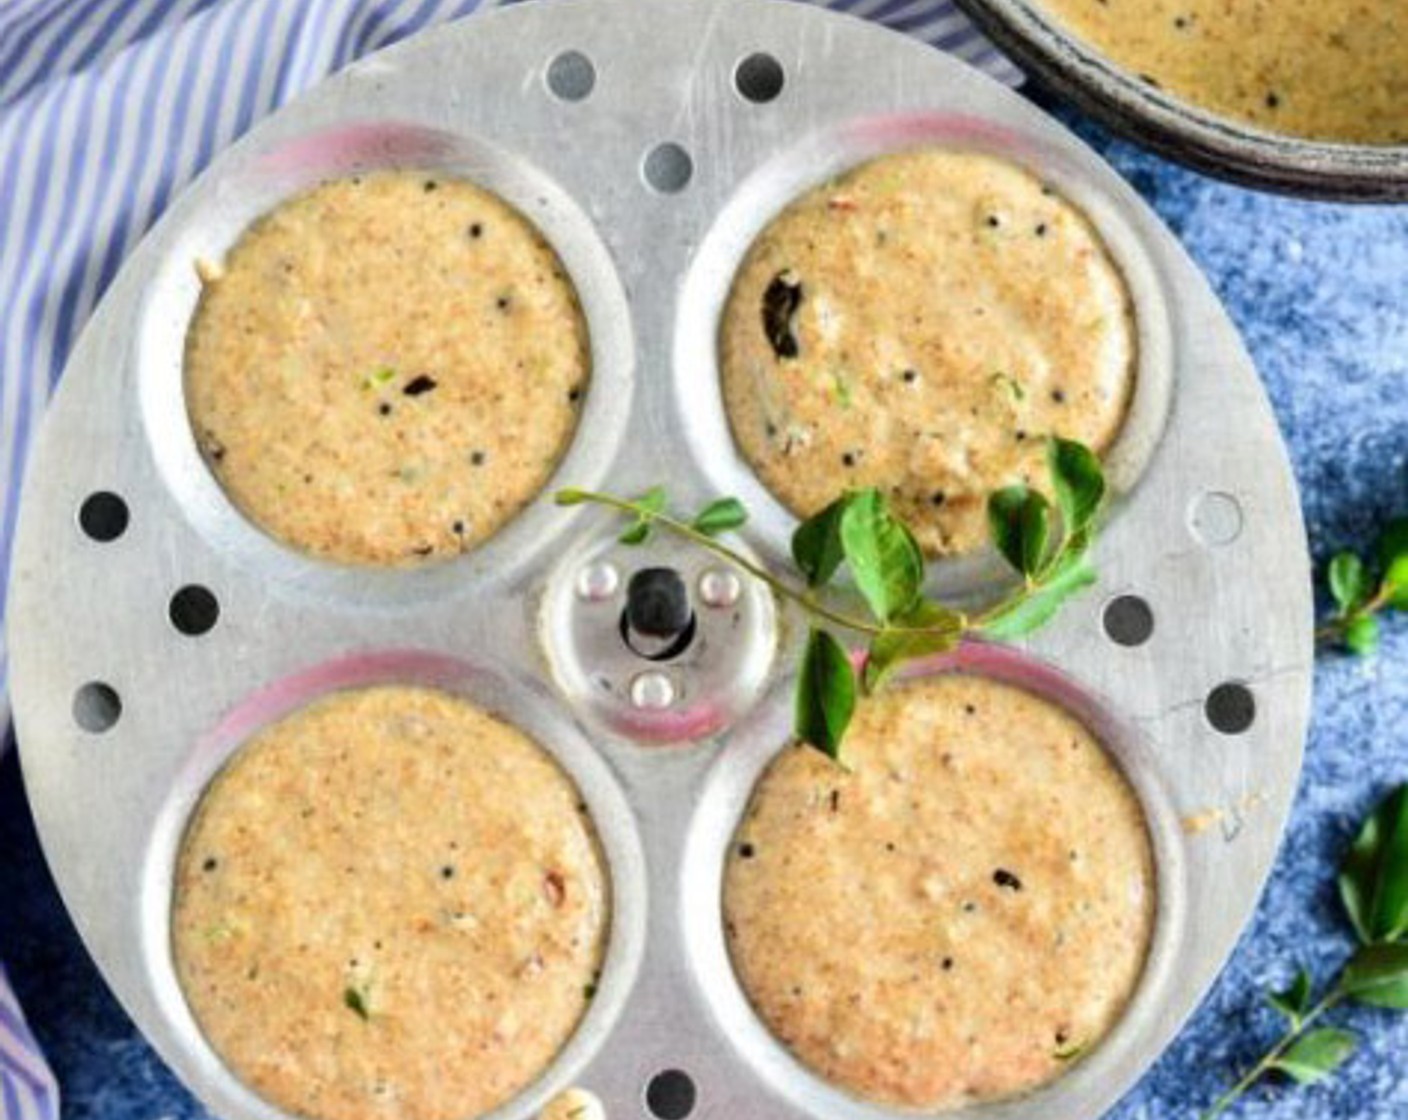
(1319, 293)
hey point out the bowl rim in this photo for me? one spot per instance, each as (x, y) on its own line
(1172, 127)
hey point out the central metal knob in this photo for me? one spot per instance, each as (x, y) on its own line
(657, 603)
(658, 622)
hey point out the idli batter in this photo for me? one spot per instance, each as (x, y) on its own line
(1322, 69)
(389, 904)
(957, 918)
(919, 325)
(386, 369)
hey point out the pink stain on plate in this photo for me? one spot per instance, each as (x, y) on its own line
(677, 728)
(897, 131)
(1002, 663)
(359, 670)
(345, 148)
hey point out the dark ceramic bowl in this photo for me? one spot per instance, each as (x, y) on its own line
(1151, 116)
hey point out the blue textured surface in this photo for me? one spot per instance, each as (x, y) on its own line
(1320, 294)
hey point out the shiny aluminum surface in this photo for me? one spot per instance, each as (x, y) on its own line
(650, 187)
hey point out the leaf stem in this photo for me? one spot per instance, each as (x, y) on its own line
(1332, 631)
(1338, 625)
(803, 599)
(809, 602)
(982, 618)
(1268, 1060)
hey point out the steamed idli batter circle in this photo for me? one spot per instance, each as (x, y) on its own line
(386, 369)
(919, 325)
(957, 918)
(389, 904)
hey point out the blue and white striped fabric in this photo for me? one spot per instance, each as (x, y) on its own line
(27, 1088)
(107, 108)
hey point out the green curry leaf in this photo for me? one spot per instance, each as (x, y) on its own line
(816, 544)
(720, 516)
(1373, 879)
(826, 694)
(652, 501)
(1294, 1001)
(1349, 580)
(1316, 1055)
(1019, 521)
(883, 555)
(1378, 975)
(1078, 480)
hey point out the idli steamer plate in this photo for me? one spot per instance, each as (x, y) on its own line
(645, 147)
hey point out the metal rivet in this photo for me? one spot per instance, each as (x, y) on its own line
(652, 691)
(719, 588)
(597, 582)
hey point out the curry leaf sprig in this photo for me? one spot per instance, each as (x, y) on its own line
(859, 530)
(1054, 567)
(1373, 884)
(1363, 589)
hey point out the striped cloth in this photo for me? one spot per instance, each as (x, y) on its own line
(27, 1088)
(107, 108)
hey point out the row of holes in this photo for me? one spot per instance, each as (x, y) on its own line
(193, 610)
(1230, 707)
(1128, 620)
(758, 78)
(667, 167)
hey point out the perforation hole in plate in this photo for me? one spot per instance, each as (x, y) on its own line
(670, 1095)
(194, 610)
(571, 76)
(103, 516)
(96, 707)
(1230, 708)
(1128, 620)
(759, 78)
(668, 168)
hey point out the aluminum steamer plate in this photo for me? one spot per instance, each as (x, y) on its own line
(649, 153)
